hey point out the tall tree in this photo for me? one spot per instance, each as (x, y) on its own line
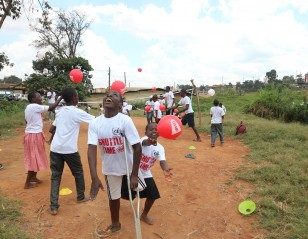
(57, 77)
(9, 8)
(4, 61)
(272, 76)
(62, 34)
(11, 79)
(13, 8)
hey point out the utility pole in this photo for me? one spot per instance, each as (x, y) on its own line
(109, 79)
(125, 78)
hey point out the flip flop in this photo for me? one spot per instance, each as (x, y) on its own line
(191, 156)
(197, 140)
(108, 232)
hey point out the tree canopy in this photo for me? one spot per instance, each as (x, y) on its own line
(57, 77)
(11, 79)
(63, 34)
(4, 61)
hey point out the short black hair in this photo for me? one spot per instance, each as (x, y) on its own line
(148, 125)
(216, 102)
(31, 96)
(184, 91)
(68, 94)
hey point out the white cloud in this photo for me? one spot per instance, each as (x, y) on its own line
(230, 41)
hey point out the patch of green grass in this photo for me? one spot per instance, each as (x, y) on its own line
(9, 122)
(10, 217)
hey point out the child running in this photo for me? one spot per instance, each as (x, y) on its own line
(151, 151)
(64, 148)
(34, 140)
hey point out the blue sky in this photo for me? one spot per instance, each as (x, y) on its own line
(212, 42)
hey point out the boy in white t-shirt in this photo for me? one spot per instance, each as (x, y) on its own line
(64, 148)
(169, 96)
(156, 109)
(217, 116)
(151, 151)
(189, 113)
(149, 114)
(107, 132)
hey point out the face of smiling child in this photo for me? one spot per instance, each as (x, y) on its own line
(152, 131)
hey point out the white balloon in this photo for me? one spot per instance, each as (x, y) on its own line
(211, 92)
(45, 71)
(41, 54)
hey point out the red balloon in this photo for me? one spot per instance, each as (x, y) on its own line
(76, 75)
(162, 107)
(118, 86)
(170, 127)
(139, 69)
(175, 110)
(153, 88)
(182, 115)
(147, 108)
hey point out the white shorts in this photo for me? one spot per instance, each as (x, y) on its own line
(113, 185)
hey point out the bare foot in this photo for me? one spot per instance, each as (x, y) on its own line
(146, 219)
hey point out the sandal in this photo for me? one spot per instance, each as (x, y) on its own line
(85, 199)
(197, 140)
(108, 231)
(191, 156)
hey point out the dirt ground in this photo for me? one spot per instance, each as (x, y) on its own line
(197, 203)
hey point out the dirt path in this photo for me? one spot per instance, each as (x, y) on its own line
(196, 204)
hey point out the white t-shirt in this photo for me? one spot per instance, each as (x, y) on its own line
(216, 112)
(52, 98)
(169, 97)
(106, 133)
(156, 107)
(126, 107)
(33, 116)
(162, 101)
(68, 124)
(149, 156)
(224, 108)
(150, 103)
(186, 101)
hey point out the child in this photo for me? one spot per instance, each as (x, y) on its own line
(157, 111)
(151, 151)
(188, 117)
(64, 148)
(149, 114)
(126, 107)
(34, 139)
(106, 132)
(217, 116)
